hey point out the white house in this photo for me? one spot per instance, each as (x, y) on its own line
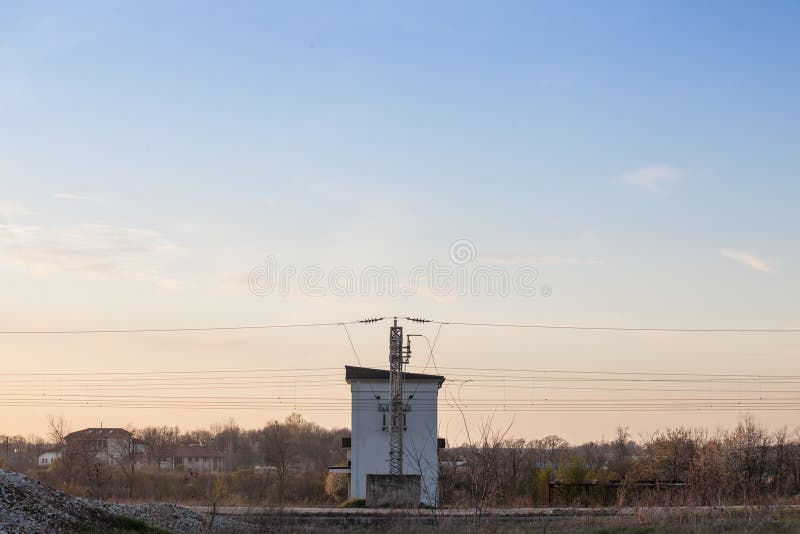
(369, 442)
(192, 457)
(48, 457)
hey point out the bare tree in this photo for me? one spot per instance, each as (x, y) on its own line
(58, 429)
(622, 447)
(793, 461)
(781, 467)
(88, 468)
(158, 440)
(549, 450)
(125, 455)
(671, 454)
(482, 462)
(420, 462)
(512, 463)
(746, 458)
(278, 451)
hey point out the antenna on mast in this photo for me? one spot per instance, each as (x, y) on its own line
(398, 355)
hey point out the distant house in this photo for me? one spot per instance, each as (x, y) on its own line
(192, 458)
(264, 469)
(48, 457)
(105, 444)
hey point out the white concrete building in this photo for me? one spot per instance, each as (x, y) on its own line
(192, 458)
(369, 452)
(48, 457)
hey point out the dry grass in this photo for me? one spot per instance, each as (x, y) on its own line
(679, 520)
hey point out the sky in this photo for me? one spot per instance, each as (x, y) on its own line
(161, 161)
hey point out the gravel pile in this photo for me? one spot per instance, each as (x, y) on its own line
(28, 506)
(175, 518)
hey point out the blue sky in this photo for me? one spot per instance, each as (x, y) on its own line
(641, 155)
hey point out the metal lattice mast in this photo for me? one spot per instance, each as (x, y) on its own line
(396, 406)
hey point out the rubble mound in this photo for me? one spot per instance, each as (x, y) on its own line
(176, 518)
(29, 506)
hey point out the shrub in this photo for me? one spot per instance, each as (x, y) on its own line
(354, 503)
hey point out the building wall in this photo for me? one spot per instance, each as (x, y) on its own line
(202, 463)
(118, 448)
(105, 448)
(48, 458)
(191, 463)
(370, 442)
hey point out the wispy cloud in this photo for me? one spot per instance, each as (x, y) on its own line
(652, 178)
(11, 209)
(83, 198)
(96, 250)
(747, 259)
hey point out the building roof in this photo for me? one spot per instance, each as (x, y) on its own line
(382, 375)
(94, 433)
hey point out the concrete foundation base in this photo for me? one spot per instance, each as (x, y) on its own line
(393, 491)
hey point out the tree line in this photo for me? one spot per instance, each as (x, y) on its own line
(680, 466)
(285, 462)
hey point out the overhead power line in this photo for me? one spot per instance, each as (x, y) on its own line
(492, 401)
(210, 371)
(628, 329)
(352, 345)
(304, 372)
(542, 326)
(173, 330)
(631, 373)
(291, 404)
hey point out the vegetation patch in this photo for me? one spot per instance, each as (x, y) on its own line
(121, 524)
(353, 503)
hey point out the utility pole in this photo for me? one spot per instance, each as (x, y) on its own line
(396, 360)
